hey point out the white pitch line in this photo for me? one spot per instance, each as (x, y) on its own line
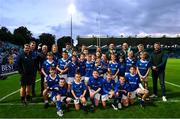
(13, 93)
(172, 84)
(169, 83)
(168, 101)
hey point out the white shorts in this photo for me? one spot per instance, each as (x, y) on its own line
(86, 79)
(62, 99)
(69, 80)
(82, 78)
(104, 97)
(137, 91)
(97, 95)
(133, 93)
(76, 101)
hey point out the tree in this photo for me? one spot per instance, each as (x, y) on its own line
(22, 35)
(61, 42)
(47, 39)
(5, 35)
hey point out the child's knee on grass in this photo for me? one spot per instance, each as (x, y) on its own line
(83, 100)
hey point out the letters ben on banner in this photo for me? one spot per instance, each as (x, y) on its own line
(7, 68)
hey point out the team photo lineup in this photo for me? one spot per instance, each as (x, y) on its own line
(113, 79)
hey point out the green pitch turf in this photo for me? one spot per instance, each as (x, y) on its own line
(11, 107)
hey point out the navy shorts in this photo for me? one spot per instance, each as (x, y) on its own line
(26, 80)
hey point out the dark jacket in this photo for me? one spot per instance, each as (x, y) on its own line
(159, 59)
(25, 64)
(40, 59)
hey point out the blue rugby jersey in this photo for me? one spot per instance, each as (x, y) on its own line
(46, 66)
(143, 66)
(52, 81)
(82, 67)
(62, 64)
(57, 89)
(78, 88)
(133, 81)
(129, 63)
(56, 57)
(89, 68)
(107, 86)
(120, 87)
(72, 69)
(104, 66)
(94, 84)
(113, 66)
(99, 69)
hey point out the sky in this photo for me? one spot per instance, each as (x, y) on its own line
(93, 17)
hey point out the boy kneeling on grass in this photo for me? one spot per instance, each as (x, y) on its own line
(121, 91)
(108, 88)
(94, 88)
(136, 87)
(78, 91)
(59, 95)
(51, 80)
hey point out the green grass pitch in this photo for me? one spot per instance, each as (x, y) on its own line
(11, 107)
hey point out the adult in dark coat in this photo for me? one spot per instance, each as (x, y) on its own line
(158, 60)
(26, 70)
(34, 54)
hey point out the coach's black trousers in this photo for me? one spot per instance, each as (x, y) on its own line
(161, 76)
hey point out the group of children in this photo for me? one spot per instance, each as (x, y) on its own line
(96, 79)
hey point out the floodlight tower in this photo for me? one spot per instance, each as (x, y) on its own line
(71, 10)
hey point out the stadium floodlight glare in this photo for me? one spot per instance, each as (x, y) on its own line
(71, 10)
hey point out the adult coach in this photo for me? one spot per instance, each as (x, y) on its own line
(26, 70)
(158, 60)
(34, 55)
(125, 50)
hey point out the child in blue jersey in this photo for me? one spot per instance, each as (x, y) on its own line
(94, 88)
(121, 91)
(47, 64)
(130, 61)
(78, 91)
(105, 63)
(89, 68)
(51, 80)
(59, 95)
(143, 68)
(82, 66)
(108, 88)
(136, 87)
(72, 69)
(113, 67)
(122, 66)
(61, 66)
(98, 67)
